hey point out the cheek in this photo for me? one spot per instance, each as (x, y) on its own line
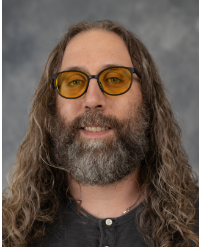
(67, 108)
(127, 104)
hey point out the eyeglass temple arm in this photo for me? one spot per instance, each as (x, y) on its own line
(54, 83)
(137, 73)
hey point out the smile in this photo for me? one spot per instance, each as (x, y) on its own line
(96, 129)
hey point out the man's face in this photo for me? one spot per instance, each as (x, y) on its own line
(91, 52)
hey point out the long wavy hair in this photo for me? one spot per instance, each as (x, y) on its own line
(37, 187)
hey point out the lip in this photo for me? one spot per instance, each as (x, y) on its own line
(99, 134)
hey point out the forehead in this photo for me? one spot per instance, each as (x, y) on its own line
(95, 48)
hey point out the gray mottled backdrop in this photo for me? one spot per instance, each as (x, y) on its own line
(170, 30)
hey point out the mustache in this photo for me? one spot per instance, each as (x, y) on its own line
(67, 131)
(62, 127)
(95, 119)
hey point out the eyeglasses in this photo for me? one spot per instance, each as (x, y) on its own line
(112, 81)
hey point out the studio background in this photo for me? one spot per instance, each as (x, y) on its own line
(31, 29)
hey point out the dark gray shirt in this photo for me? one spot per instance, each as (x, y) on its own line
(74, 230)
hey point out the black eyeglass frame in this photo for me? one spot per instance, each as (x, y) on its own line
(132, 70)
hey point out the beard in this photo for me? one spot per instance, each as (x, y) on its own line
(105, 160)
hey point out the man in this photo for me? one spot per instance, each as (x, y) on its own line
(102, 162)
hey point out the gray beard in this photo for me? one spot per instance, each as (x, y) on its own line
(101, 161)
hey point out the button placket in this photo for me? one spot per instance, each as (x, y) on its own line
(109, 233)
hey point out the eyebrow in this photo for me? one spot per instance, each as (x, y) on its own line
(83, 69)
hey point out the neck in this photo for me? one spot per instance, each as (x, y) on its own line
(108, 201)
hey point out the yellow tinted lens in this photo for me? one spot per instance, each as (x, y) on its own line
(115, 80)
(71, 84)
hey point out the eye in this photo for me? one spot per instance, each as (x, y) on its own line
(75, 83)
(113, 80)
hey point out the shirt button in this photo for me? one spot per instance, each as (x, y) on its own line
(109, 222)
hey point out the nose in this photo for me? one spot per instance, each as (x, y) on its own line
(94, 97)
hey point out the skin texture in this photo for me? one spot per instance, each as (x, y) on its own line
(92, 51)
